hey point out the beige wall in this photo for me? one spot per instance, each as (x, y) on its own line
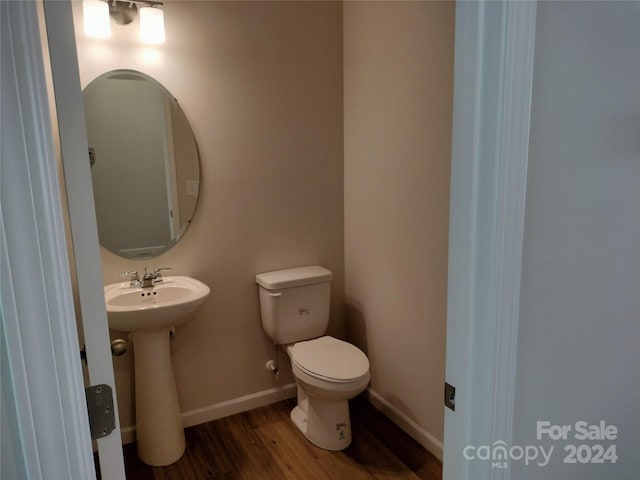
(398, 88)
(261, 84)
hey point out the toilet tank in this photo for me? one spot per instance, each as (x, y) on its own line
(294, 303)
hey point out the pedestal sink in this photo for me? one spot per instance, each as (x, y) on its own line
(149, 314)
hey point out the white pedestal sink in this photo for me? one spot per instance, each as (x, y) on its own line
(149, 314)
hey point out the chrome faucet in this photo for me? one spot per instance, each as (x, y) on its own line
(151, 279)
(134, 281)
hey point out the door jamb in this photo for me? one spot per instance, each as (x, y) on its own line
(492, 105)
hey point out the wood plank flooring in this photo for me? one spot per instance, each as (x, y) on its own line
(263, 444)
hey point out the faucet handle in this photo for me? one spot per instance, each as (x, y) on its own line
(134, 279)
(157, 277)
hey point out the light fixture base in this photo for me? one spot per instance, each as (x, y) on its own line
(122, 12)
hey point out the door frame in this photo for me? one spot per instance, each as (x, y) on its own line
(40, 348)
(492, 107)
(41, 361)
(69, 109)
(489, 158)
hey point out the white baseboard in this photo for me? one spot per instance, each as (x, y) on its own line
(273, 395)
(238, 405)
(226, 408)
(419, 434)
(128, 434)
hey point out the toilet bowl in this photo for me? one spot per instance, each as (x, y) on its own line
(329, 372)
(294, 309)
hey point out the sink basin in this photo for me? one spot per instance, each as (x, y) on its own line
(149, 313)
(166, 304)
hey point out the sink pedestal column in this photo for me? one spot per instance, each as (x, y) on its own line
(159, 429)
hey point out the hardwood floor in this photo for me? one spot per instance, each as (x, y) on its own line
(263, 444)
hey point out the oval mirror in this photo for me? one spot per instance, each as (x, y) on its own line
(144, 163)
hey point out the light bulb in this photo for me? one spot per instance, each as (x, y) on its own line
(151, 25)
(96, 18)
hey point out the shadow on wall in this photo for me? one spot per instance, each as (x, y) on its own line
(356, 326)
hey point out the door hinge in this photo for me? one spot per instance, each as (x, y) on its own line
(450, 396)
(102, 419)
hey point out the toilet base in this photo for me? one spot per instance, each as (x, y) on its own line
(326, 424)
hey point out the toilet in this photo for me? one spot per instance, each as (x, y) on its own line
(294, 307)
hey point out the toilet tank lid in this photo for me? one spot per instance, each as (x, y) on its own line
(293, 277)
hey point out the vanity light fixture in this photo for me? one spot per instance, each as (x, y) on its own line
(97, 15)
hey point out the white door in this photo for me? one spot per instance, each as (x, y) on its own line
(45, 429)
(492, 94)
(77, 177)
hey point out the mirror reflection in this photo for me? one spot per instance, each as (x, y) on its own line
(145, 164)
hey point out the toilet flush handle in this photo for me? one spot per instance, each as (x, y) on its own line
(276, 294)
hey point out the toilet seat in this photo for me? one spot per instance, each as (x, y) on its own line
(330, 359)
